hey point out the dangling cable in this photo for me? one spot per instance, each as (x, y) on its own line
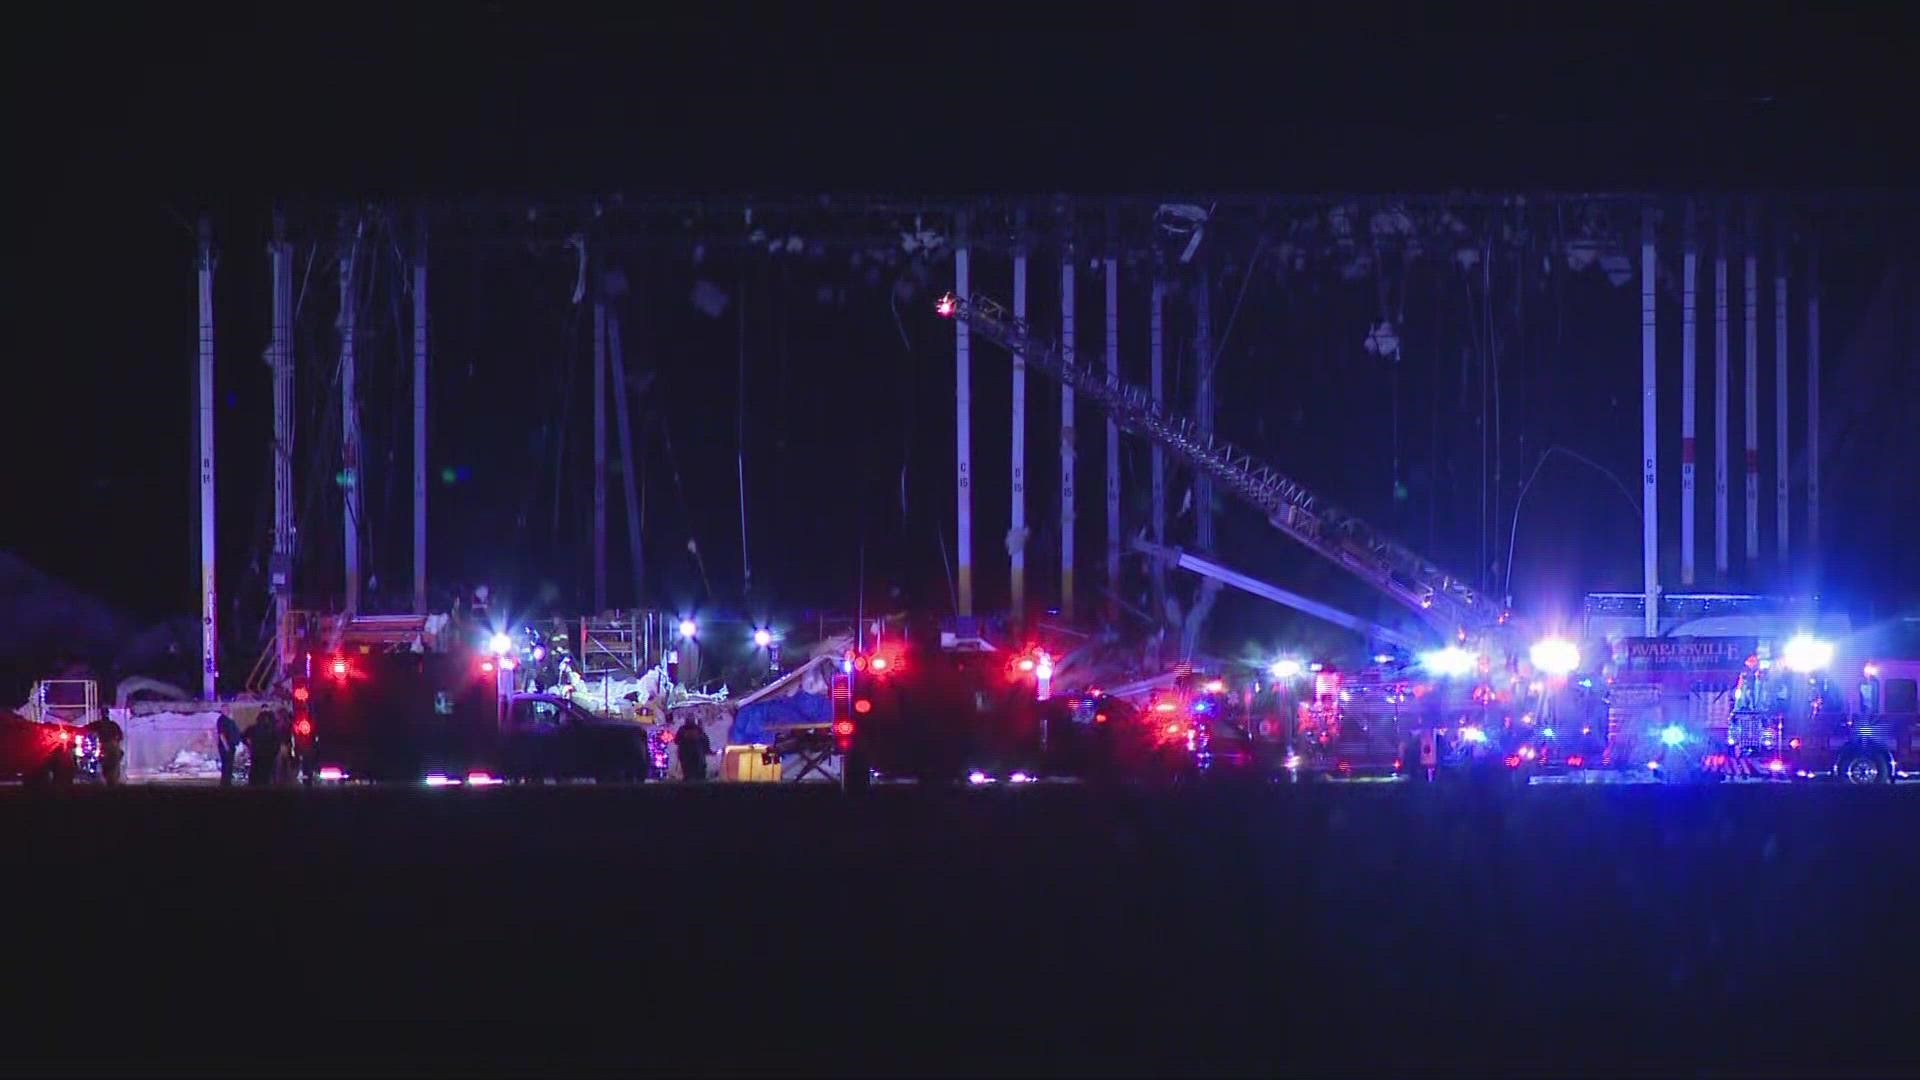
(740, 430)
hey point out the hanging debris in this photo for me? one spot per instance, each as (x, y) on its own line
(1383, 341)
(709, 299)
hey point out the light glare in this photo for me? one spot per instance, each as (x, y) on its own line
(1555, 656)
(1805, 653)
(1448, 662)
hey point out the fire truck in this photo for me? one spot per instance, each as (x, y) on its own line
(394, 715)
(940, 705)
(1471, 660)
(1792, 717)
(952, 706)
(1734, 686)
(377, 705)
(1447, 711)
(1359, 723)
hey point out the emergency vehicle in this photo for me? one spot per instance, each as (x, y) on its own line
(1170, 736)
(395, 716)
(59, 736)
(378, 707)
(46, 752)
(944, 706)
(951, 706)
(1793, 718)
(1357, 722)
(1691, 702)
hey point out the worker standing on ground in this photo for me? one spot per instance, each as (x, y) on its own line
(113, 751)
(263, 743)
(691, 741)
(226, 735)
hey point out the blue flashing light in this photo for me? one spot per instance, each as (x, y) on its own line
(1673, 735)
(1449, 662)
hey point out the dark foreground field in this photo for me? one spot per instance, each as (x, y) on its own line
(1035, 930)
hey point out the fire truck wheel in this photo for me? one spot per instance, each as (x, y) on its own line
(1865, 767)
(856, 771)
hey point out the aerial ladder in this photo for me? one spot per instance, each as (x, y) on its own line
(1442, 600)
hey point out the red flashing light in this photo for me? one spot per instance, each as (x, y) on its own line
(303, 727)
(863, 706)
(1575, 761)
(1396, 764)
(879, 663)
(301, 693)
(1513, 761)
(1026, 663)
(486, 666)
(1793, 744)
(859, 663)
(1173, 729)
(843, 728)
(946, 306)
(1099, 718)
(339, 667)
(1165, 707)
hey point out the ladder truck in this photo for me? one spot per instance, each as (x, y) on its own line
(1472, 669)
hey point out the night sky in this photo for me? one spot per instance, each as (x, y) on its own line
(130, 125)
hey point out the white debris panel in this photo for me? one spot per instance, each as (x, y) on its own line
(170, 743)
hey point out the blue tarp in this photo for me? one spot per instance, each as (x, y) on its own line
(751, 723)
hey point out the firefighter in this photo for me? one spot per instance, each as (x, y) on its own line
(226, 737)
(263, 743)
(691, 740)
(113, 751)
